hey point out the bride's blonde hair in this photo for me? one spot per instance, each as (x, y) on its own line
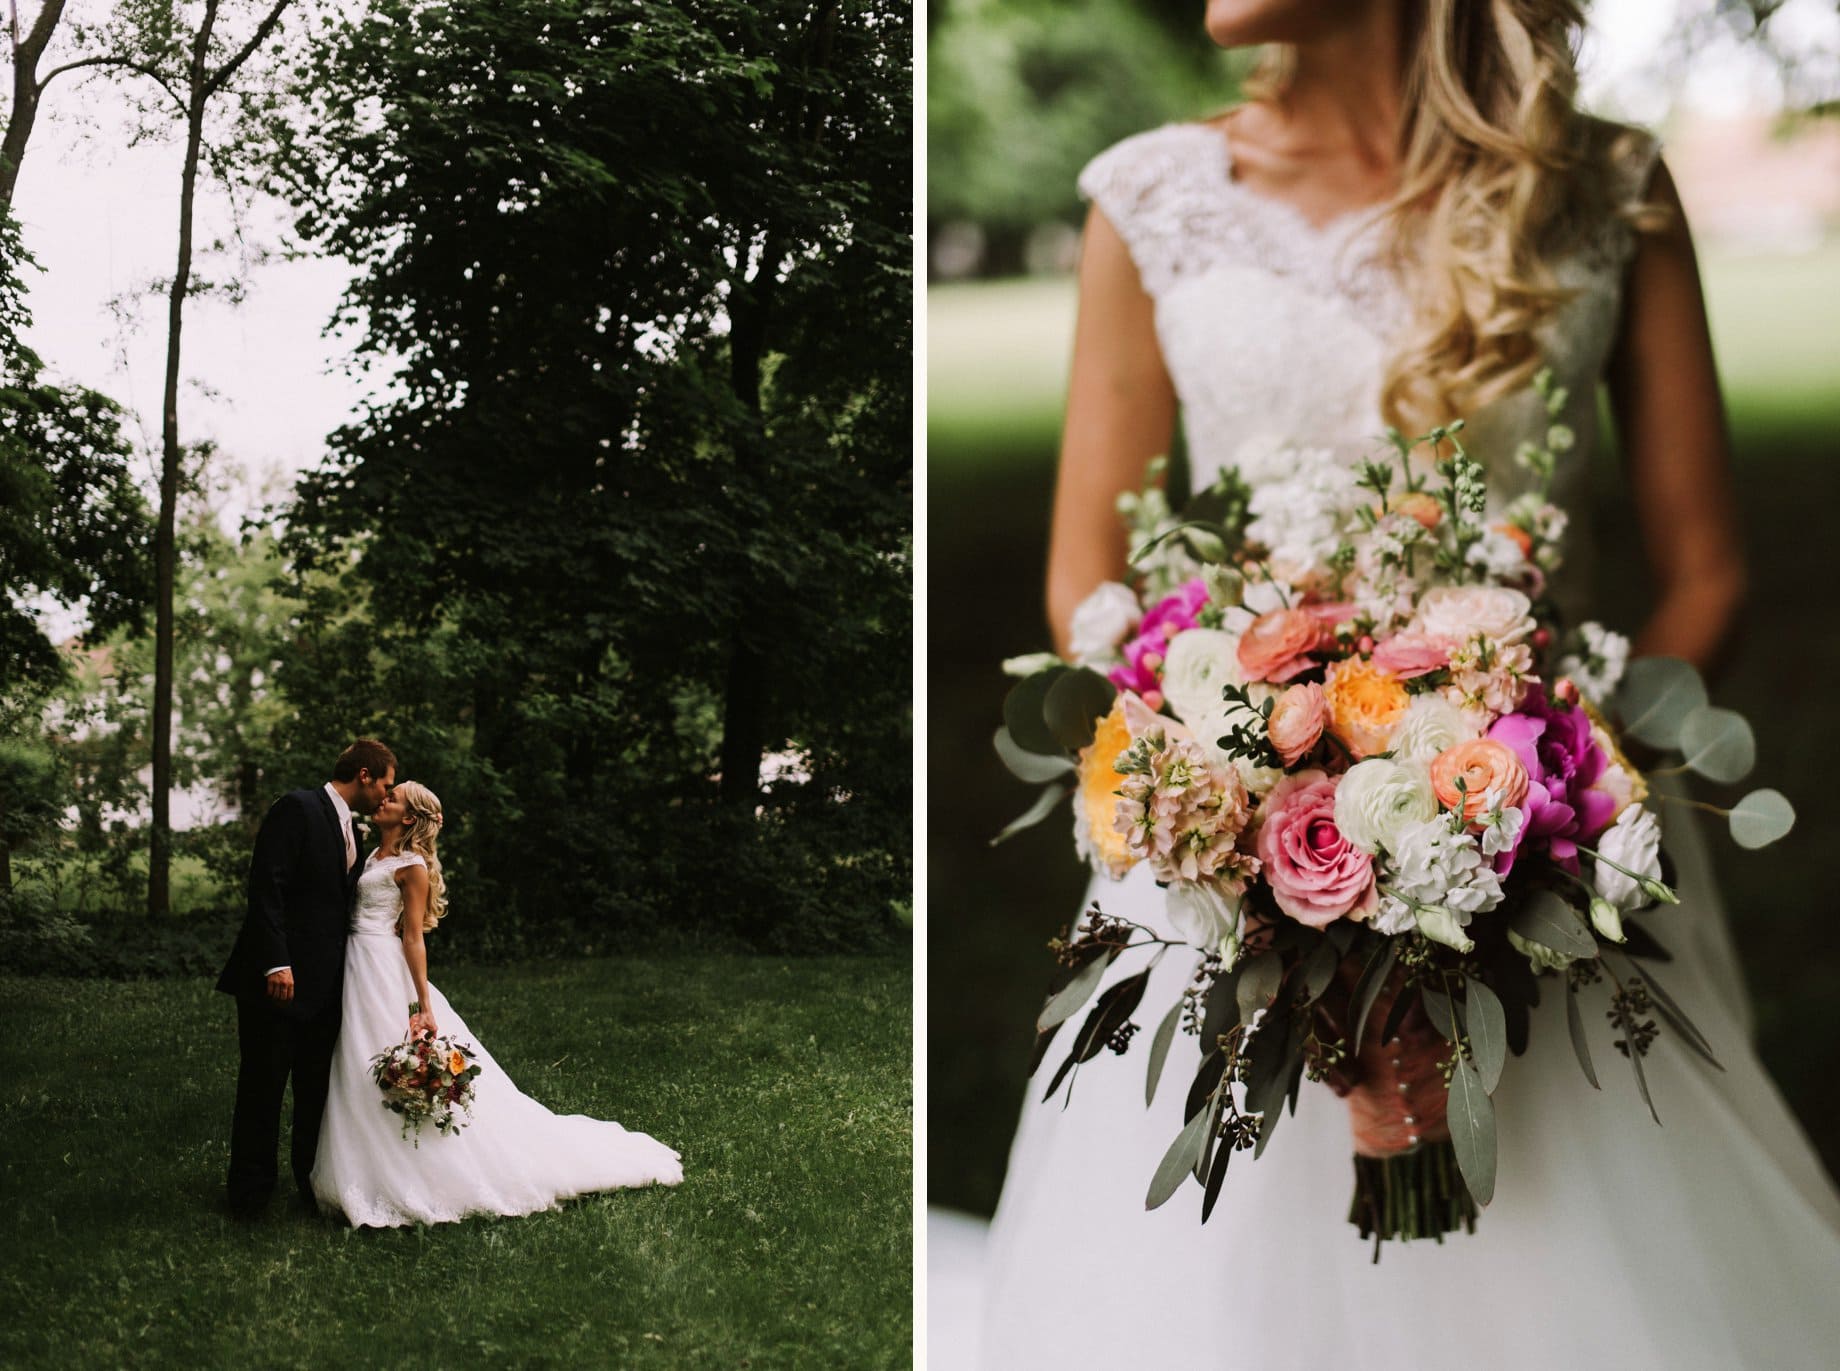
(422, 812)
(1499, 174)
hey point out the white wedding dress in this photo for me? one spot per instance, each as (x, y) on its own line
(513, 1157)
(1710, 1242)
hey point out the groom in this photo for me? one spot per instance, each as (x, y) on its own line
(287, 970)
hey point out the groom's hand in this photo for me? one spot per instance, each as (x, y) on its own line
(281, 985)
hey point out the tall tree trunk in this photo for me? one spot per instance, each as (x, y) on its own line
(165, 549)
(744, 689)
(24, 113)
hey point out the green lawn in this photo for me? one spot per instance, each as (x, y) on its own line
(785, 1084)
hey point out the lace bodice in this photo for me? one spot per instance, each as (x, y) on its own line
(380, 903)
(1275, 330)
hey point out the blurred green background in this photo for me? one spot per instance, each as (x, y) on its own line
(1014, 112)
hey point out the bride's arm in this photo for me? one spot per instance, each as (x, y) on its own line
(1120, 413)
(413, 882)
(1671, 424)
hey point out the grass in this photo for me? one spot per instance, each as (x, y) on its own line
(785, 1084)
(997, 357)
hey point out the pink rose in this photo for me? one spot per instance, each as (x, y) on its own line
(1278, 644)
(1315, 873)
(1406, 655)
(1297, 721)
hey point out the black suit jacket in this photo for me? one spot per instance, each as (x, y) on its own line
(300, 893)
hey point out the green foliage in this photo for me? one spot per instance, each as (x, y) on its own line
(1021, 93)
(74, 528)
(642, 276)
(786, 1086)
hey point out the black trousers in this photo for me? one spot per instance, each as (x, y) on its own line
(272, 1047)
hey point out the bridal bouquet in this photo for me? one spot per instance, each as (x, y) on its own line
(1338, 719)
(427, 1079)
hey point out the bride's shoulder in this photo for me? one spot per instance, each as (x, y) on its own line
(1158, 158)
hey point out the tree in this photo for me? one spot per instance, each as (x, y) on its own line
(642, 274)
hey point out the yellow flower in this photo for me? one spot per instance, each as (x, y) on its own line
(1365, 705)
(1095, 802)
(456, 1062)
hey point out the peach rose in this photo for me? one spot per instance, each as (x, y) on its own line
(1278, 644)
(1406, 655)
(1297, 721)
(1482, 765)
(1097, 797)
(1365, 704)
(1420, 505)
(456, 1062)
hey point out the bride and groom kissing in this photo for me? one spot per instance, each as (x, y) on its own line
(329, 969)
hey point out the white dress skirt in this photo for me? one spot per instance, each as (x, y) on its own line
(513, 1157)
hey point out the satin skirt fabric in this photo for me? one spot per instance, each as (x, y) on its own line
(514, 1157)
(1710, 1242)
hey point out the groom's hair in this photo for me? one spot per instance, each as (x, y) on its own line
(367, 754)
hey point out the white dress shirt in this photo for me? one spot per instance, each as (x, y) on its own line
(343, 811)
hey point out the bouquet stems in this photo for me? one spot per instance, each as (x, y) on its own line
(1416, 1194)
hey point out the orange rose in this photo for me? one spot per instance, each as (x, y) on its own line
(1365, 705)
(1278, 644)
(1420, 506)
(1096, 801)
(456, 1062)
(1482, 765)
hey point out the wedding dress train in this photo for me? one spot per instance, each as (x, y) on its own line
(513, 1157)
(1710, 1242)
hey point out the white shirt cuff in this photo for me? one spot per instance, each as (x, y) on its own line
(273, 969)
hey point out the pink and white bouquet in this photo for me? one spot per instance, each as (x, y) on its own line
(1338, 720)
(427, 1079)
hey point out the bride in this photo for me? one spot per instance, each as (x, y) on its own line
(514, 1156)
(1403, 224)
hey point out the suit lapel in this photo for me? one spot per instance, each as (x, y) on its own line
(331, 813)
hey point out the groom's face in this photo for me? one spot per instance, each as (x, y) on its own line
(372, 791)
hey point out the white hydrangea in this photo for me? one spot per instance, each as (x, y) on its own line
(1443, 877)
(1301, 512)
(1633, 841)
(1598, 668)
(1101, 623)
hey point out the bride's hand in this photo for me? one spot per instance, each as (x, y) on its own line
(423, 1023)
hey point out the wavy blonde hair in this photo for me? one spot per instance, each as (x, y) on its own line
(1500, 174)
(422, 810)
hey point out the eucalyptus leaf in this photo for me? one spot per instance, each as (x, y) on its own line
(1574, 1022)
(1487, 1023)
(1111, 1013)
(1034, 814)
(1635, 1060)
(1718, 744)
(1319, 970)
(1657, 695)
(1022, 713)
(1178, 1161)
(1367, 989)
(1258, 982)
(1548, 919)
(1076, 700)
(1217, 1175)
(1676, 1017)
(1760, 818)
(1064, 1003)
(1441, 1013)
(1028, 766)
(1159, 1050)
(1471, 1116)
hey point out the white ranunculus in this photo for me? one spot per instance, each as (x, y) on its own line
(1101, 623)
(1633, 841)
(1202, 915)
(1196, 664)
(1432, 725)
(1378, 798)
(1460, 613)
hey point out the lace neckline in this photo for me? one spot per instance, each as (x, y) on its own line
(1339, 228)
